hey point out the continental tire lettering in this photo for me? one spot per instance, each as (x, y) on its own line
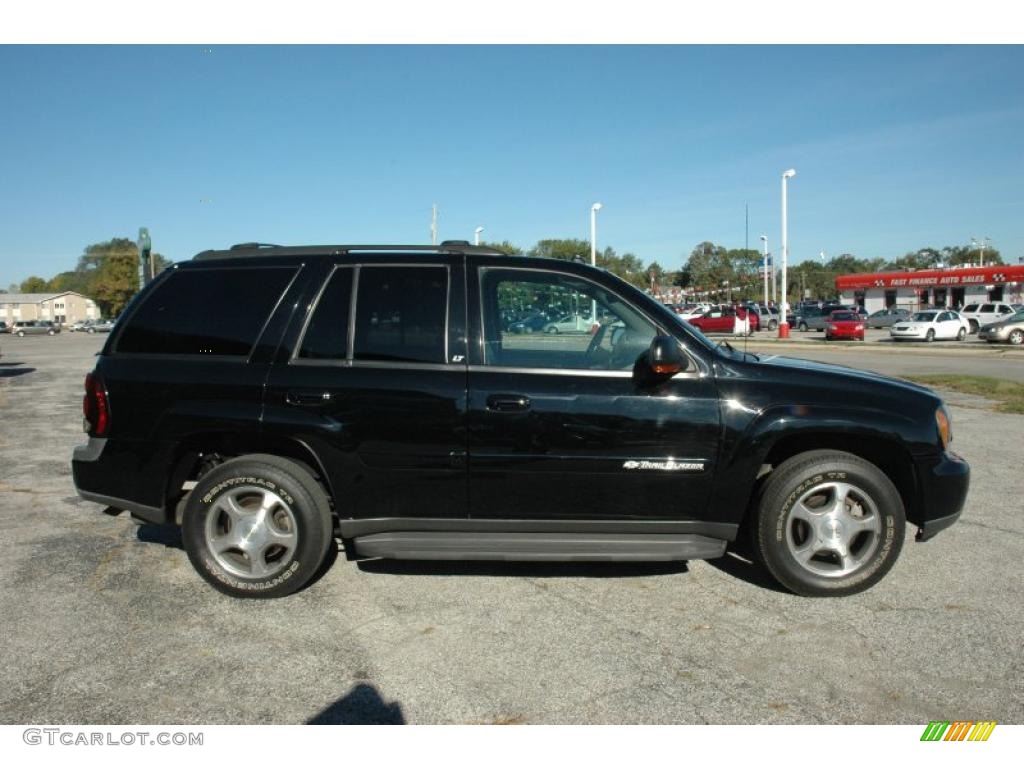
(251, 586)
(255, 481)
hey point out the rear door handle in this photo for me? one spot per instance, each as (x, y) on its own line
(308, 397)
(507, 403)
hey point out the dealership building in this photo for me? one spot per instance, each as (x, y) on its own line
(953, 287)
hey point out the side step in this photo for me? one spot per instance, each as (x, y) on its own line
(465, 545)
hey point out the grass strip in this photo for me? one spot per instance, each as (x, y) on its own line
(1009, 395)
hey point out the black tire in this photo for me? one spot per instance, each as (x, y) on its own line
(1016, 337)
(92, 330)
(930, 336)
(802, 327)
(309, 523)
(49, 333)
(961, 334)
(773, 325)
(800, 477)
(551, 329)
(21, 334)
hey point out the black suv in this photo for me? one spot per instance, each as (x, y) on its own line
(273, 399)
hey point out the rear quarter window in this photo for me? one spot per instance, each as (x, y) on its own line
(215, 311)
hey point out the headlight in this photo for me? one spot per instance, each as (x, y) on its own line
(858, 328)
(942, 421)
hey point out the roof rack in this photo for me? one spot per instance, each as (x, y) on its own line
(247, 250)
(251, 246)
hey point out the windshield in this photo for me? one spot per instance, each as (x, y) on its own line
(844, 316)
(924, 317)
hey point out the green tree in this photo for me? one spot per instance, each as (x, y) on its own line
(111, 273)
(33, 285)
(510, 249)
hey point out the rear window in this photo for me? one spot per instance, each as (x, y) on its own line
(971, 308)
(401, 314)
(844, 316)
(217, 311)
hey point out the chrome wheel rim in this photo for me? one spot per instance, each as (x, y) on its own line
(1016, 337)
(833, 529)
(251, 532)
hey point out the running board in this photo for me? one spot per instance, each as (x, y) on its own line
(465, 545)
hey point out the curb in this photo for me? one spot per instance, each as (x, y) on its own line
(986, 350)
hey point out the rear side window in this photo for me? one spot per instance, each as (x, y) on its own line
(326, 337)
(971, 308)
(988, 308)
(401, 314)
(206, 312)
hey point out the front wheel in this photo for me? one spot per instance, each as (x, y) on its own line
(21, 334)
(802, 327)
(551, 329)
(930, 336)
(257, 526)
(829, 524)
(1016, 337)
(961, 334)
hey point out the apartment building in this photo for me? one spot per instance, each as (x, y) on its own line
(65, 308)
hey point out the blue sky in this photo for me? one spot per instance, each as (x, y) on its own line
(895, 147)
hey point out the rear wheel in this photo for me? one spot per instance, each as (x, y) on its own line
(21, 334)
(257, 526)
(551, 329)
(930, 336)
(802, 327)
(961, 334)
(829, 524)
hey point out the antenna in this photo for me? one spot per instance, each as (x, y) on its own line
(433, 226)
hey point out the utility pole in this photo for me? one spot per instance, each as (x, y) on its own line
(433, 226)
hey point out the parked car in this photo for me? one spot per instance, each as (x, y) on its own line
(35, 327)
(843, 324)
(884, 318)
(4, 328)
(1008, 331)
(978, 315)
(694, 310)
(570, 324)
(99, 326)
(530, 324)
(79, 325)
(281, 423)
(723, 319)
(768, 317)
(930, 325)
(811, 318)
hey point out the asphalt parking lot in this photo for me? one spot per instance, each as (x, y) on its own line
(105, 621)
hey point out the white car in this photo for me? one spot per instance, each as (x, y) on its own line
(978, 315)
(570, 324)
(931, 324)
(695, 310)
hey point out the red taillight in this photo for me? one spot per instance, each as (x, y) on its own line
(95, 407)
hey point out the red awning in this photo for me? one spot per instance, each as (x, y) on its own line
(933, 278)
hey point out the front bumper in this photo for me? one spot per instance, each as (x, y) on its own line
(994, 334)
(943, 487)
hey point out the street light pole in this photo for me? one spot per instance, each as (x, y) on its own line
(593, 253)
(783, 321)
(764, 267)
(476, 233)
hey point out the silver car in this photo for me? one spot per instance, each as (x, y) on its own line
(35, 327)
(1007, 331)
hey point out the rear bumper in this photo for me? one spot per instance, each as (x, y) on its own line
(944, 487)
(99, 478)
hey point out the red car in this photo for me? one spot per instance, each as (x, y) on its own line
(721, 319)
(843, 324)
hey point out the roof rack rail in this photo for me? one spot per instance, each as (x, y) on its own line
(249, 246)
(249, 250)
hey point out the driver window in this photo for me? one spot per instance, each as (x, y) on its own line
(538, 319)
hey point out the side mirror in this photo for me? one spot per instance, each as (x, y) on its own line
(663, 360)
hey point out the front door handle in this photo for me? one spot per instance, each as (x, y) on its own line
(508, 403)
(308, 397)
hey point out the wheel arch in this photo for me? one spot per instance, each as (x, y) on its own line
(197, 453)
(776, 438)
